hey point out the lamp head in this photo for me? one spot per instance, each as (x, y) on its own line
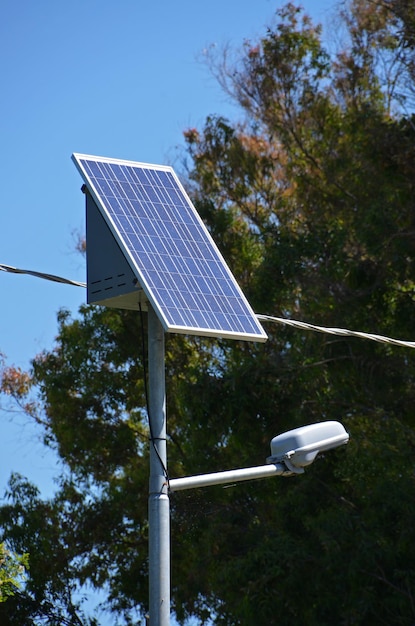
(299, 447)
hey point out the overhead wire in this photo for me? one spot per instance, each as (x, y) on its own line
(56, 279)
(343, 332)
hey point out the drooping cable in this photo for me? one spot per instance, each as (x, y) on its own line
(344, 332)
(56, 279)
(146, 395)
(337, 331)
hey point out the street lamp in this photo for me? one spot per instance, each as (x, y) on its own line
(299, 447)
(290, 453)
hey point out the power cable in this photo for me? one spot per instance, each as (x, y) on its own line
(337, 331)
(344, 332)
(146, 395)
(56, 279)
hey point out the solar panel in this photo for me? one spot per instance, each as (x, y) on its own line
(168, 248)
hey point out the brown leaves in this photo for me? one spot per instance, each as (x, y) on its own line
(15, 382)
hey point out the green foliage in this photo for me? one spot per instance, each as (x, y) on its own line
(311, 200)
(35, 526)
(12, 572)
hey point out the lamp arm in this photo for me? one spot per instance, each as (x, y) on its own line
(229, 476)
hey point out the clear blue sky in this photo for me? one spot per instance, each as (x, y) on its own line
(118, 79)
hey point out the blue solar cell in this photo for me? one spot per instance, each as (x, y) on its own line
(169, 249)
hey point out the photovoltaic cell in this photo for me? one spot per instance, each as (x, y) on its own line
(169, 249)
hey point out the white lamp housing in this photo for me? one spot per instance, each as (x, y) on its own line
(299, 447)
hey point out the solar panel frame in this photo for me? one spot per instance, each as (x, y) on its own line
(174, 242)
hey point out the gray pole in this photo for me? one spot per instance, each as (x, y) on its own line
(227, 477)
(158, 508)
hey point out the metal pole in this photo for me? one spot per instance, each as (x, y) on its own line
(158, 508)
(230, 476)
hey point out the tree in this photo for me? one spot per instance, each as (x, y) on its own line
(12, 571)
(310, 198)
